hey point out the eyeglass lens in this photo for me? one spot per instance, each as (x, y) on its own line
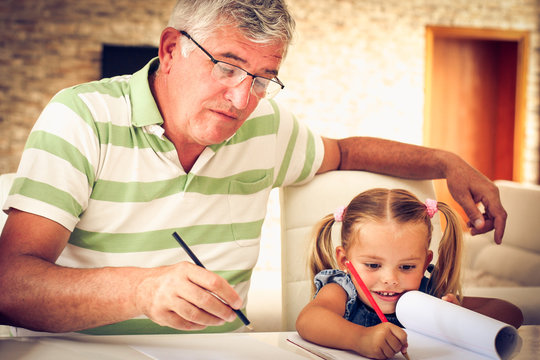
(231, 75)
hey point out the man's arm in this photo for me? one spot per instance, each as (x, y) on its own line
(466, 184)
(39, 295)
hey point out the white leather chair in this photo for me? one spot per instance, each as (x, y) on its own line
(509, 271)
(302, 206)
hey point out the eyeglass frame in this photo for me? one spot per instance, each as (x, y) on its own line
(215, 61)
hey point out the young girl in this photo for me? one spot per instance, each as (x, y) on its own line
(385, 234)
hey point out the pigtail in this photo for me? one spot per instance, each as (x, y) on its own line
(447, 272)
(321, 254)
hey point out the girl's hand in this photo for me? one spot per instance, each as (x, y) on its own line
(451, 298)
(382, 341)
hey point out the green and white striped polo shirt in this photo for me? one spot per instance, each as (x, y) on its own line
(97, 162)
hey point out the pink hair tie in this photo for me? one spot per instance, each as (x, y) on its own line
(338, 214)
(431, 207)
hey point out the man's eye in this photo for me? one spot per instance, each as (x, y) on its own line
(261, 83)
(227, 70)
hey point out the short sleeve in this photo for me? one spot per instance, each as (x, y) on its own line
(344, 280)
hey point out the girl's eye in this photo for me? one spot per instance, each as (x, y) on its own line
(407, 267)
(372, 266)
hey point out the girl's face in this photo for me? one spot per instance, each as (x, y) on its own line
(390, 258)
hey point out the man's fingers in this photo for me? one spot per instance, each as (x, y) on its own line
(476, 219)
(176, 321)
(497, 217)
(482, 225)
(491, 221)
(216, 285)
(191, 312)
(207, 308)
(499, 223)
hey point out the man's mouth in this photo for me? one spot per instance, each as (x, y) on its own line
(228, 114)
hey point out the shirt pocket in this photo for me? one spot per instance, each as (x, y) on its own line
(248, 201)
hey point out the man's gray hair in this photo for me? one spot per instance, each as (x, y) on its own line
(261, 21)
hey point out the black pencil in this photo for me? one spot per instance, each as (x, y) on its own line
(196, 260)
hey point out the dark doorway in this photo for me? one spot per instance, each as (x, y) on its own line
(123, 60)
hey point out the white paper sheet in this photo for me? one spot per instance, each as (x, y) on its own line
(420, 348)
(324, 352)
(433, 317)
(241, 347)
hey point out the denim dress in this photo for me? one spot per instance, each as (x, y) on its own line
(355, 310)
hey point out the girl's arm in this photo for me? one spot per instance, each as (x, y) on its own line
(321, 322)
(498, 309)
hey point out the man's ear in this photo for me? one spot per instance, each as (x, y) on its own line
(341, 258)
(167, 43)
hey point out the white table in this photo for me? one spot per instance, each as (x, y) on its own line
(267, 344)
(244, 346)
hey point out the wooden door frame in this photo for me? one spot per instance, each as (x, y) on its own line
(522, 39)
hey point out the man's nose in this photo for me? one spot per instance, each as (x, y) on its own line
(239, 95)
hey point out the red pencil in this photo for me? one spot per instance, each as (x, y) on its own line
(369, 296)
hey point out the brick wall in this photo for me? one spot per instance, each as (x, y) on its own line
(46, 45)
(357, 66)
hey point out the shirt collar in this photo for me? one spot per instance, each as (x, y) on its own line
(144, 108)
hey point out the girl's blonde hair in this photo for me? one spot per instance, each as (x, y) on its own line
(400, 206)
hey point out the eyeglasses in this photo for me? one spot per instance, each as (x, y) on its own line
(231, 75)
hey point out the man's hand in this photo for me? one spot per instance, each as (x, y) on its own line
(469, 187)
(183, 296)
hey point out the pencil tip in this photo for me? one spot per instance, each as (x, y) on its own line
(250, 327)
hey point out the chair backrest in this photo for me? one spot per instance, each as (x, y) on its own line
(522, 202)
(519, 254)
(6, 180)
(302, 206)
